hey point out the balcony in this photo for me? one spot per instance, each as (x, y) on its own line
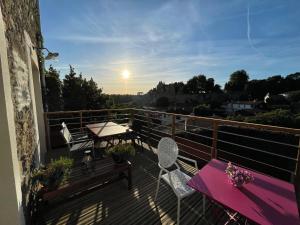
(270, 150)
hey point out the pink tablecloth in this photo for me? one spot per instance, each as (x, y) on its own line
(266, 200)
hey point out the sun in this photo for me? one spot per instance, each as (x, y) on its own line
(125, 74)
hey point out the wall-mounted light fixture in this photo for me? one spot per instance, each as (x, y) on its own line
(50, 55)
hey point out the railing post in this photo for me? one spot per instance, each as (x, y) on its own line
(80, 121)
(173, 128)
(214, 140)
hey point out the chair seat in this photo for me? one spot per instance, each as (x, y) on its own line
(82, 145)
(179, 180)
(79, 137)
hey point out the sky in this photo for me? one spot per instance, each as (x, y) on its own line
(171, 40)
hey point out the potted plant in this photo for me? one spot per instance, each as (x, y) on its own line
(53, 175)
(120, 153)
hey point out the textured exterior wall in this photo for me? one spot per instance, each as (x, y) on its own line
(21, 17)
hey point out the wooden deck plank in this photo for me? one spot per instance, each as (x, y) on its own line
(114, 204)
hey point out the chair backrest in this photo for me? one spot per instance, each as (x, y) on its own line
(66, 133)
(167, 152)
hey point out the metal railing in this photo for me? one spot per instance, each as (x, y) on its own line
(268, 149)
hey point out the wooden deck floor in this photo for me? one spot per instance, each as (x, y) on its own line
(114, 204)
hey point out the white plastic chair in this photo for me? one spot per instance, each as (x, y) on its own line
(167, 152)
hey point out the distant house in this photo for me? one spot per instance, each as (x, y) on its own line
(140, 93)
(233, 107)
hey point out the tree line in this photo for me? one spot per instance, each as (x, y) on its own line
(239, 87)
(73, 92)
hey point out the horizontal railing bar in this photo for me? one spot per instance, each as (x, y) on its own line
(153, 139)
(158, 125)
(258, 150)
(198, 150)
(188, 140)
(103, 121)
(105, 116)
(87, 111)
(156, 130)
(196, 156)
(250, 159)
(246, 167)
(68, 118)
(196, 126)
(195, 134)
(149, 117)
(59, 124)
(143, 121)
(156, 135)
(259, 139)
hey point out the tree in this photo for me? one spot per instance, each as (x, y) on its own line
(72, 93)
(53, 90)
(292, 81)
(162, 102)
(276, 85)
(92, 95)
(197, 85)
(257, 89)
(79, 93)
(237, 81)
(202, 110)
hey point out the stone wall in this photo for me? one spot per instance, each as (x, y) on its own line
(20, 17)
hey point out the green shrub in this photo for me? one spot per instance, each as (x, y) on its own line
(162, 102)
(278, 117)
(54, 174)
(202, 110)
(126, 149)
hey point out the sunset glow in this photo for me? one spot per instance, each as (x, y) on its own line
(125, 74)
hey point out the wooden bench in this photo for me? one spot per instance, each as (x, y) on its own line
(102, 171)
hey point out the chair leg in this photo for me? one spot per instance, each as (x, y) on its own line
(93, 150)
(178, 211)
(158, 182)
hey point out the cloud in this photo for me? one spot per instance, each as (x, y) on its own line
(93, 39)
(249, 33)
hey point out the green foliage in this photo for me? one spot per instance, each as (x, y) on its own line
(79, 93)
(294, 96)
(200, 85)
(54, 174)
(278, 117)
(202, 110)
(237, 81)
(53, 90)
(126, 149)
(162, 102)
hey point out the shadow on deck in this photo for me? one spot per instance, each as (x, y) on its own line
(114, 204)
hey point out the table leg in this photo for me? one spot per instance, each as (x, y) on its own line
(129, 177)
